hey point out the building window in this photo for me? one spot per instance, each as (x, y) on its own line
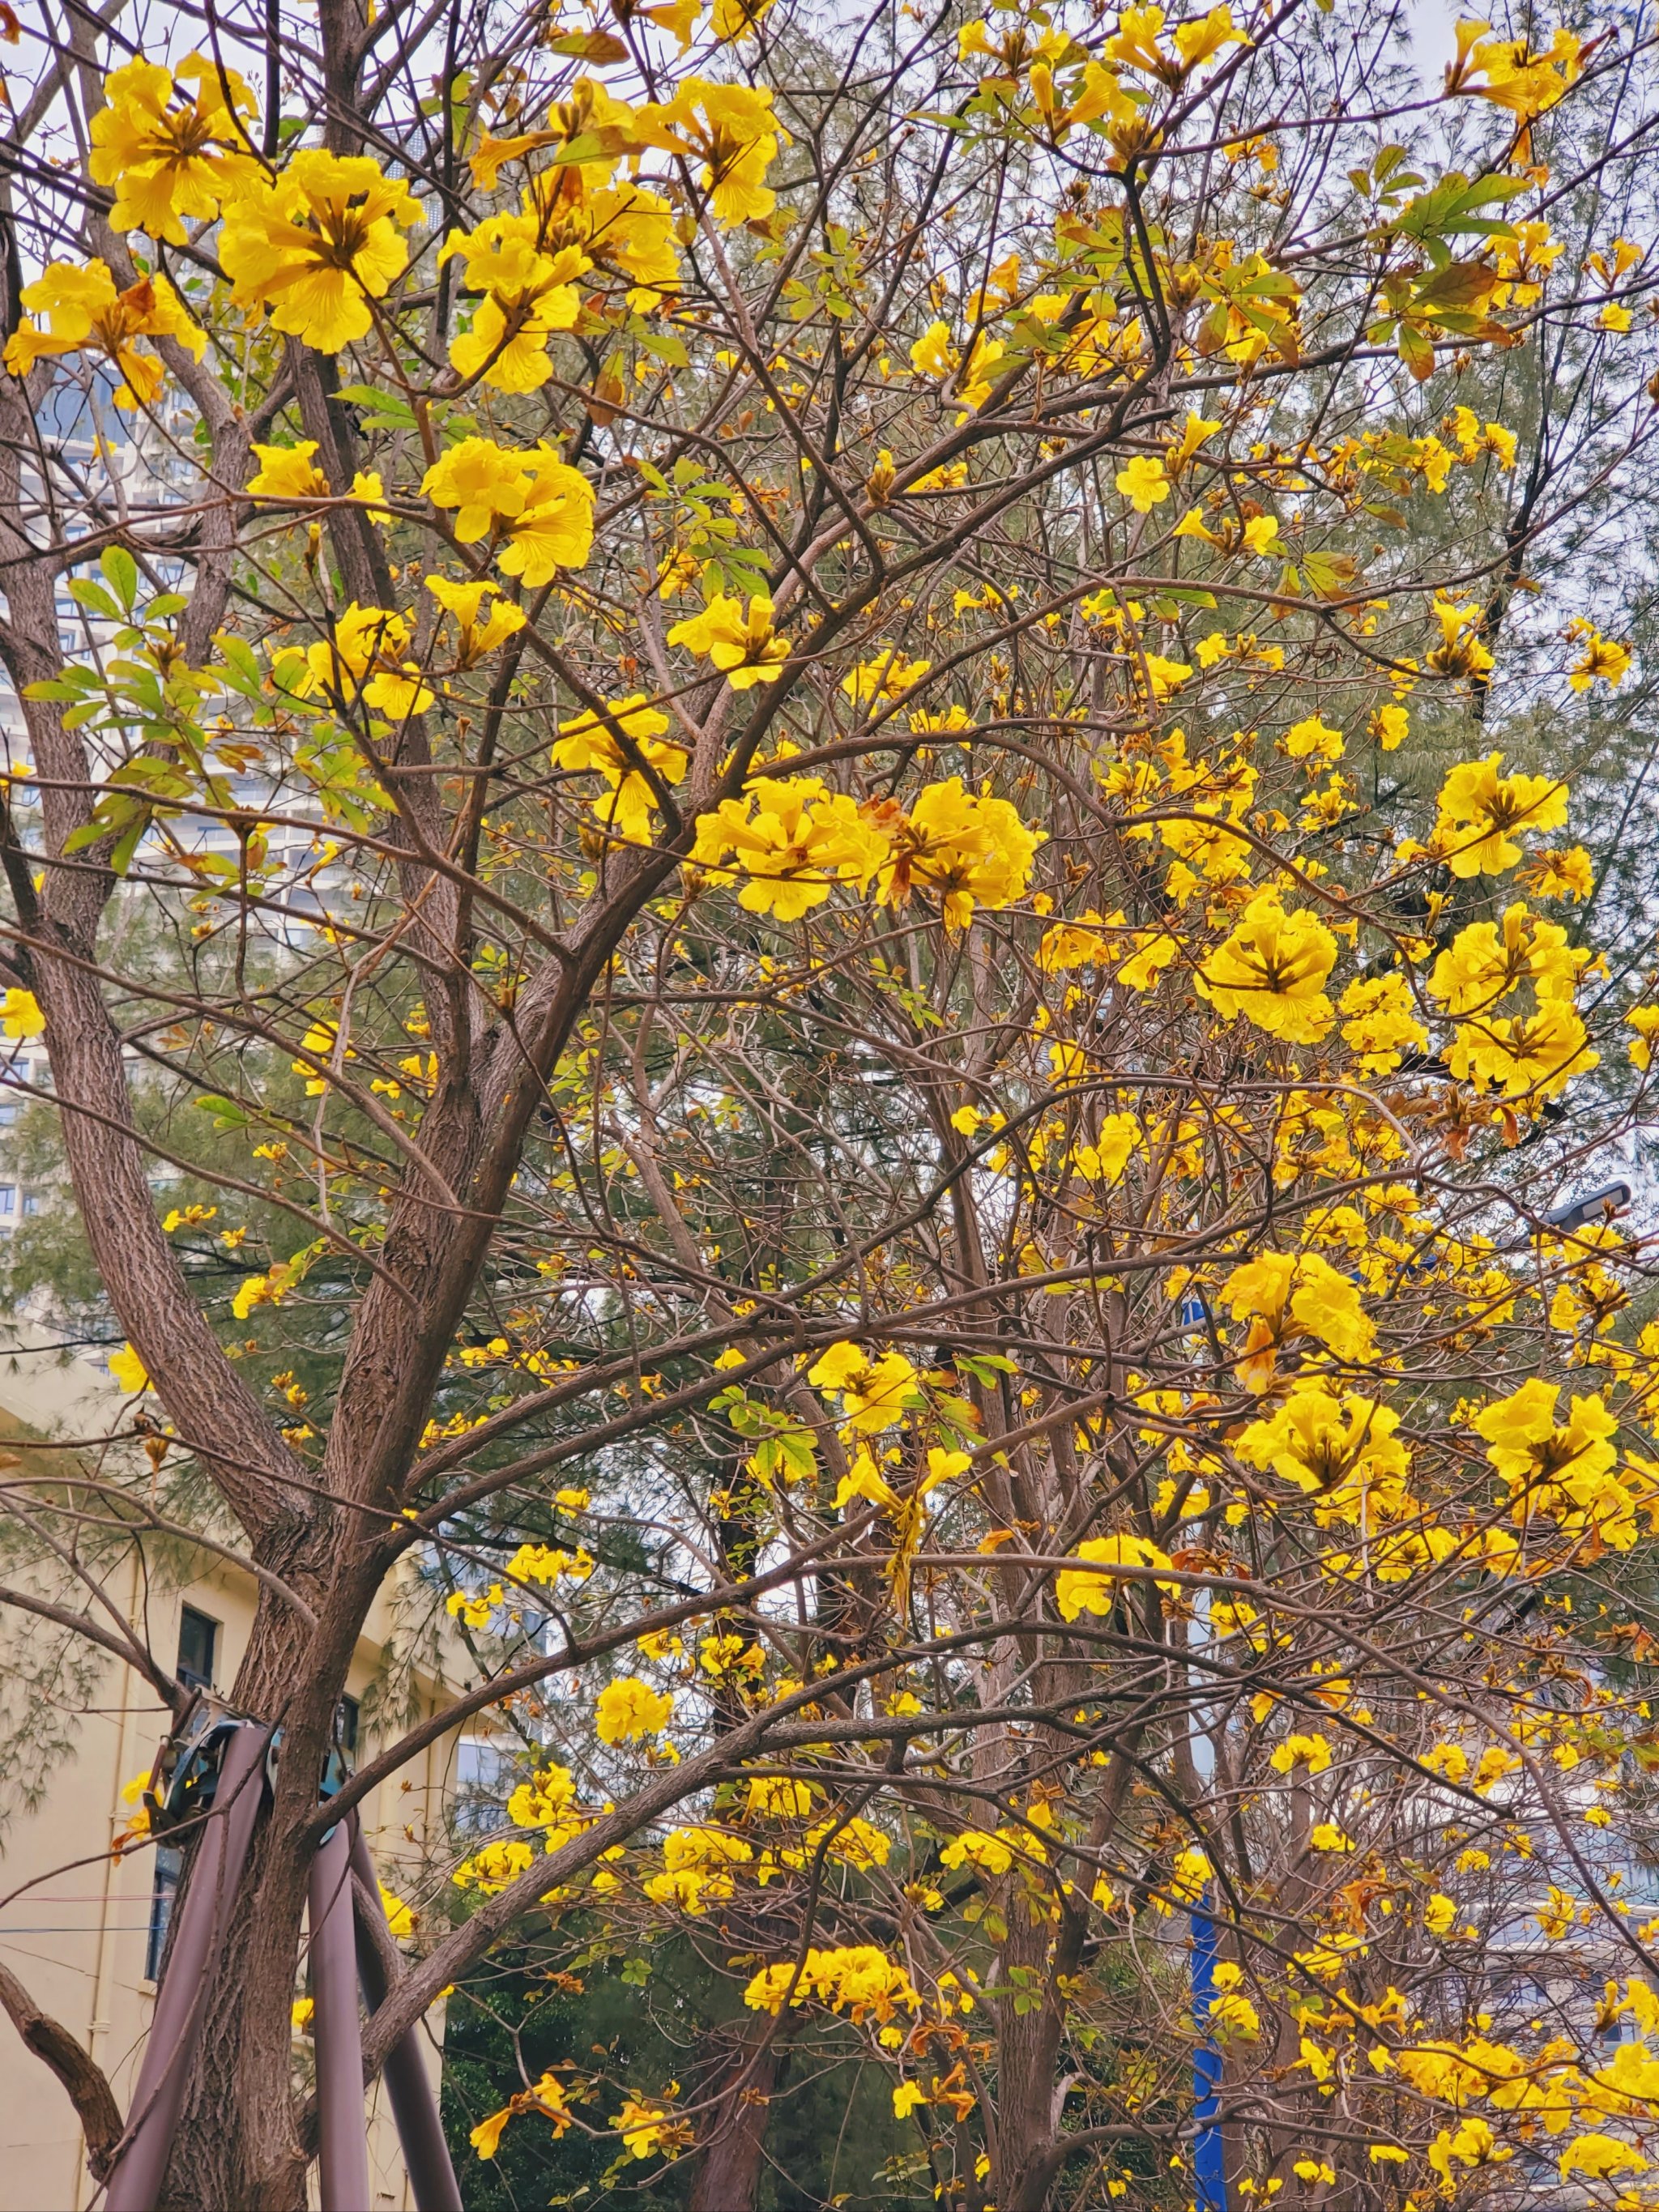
(8, 1198)
(346, 1727)
(198, 1643)
(31, 1201)
(199, 1639)
(168, 1862)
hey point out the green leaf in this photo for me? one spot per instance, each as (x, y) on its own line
(382, 410)
(588, 146)
(226, 1114)
(121, 572)
(241, 668)
(93, 597)
(983, 1366)
(664, 346)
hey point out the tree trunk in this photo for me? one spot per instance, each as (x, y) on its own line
(729, 2176)
(1028, 2054)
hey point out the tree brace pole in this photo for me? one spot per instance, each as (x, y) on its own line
(140, 2162)
(414, 2107)
(338, 2029)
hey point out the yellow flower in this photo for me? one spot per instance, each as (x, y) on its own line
(735, 18)
(863, 1479)
(1077, 944)
(129, 1370)
(859, 1979)
(300, 2013)
(542, 1801)
(488, 484)
(87, 313)
(745, 648)
(1142, 482)
(792, 840)
(887, 676)
(1439, 1913)
(1312, 739)
(1509, 73)
(1602, 660)
(21, 1015)
(776, 1797)
(1341, 1451)
(1556, 1916)
(398, 1917)
(1134, 45)
(1523, 1055)
(1313, 1751)
(316, 245)
(1284, 1295)
(1390, 726)
(1481, 809)
(549, 2100)
(875, 1394)
(1473, 439)
(1486, 961)
(732, 131)
(966, 849)
(628, 1708)
(1272, 969)
(933, 355)
(529, 293)
(1195, 432)
(1104, 1160)
(486, 2137)
(1381, 1027)
(1598, 2157)
(554, 529)
(1154, 950)
(1644, 1020)
(642, 2126)
(166, 154)
(364, 659)
(1570, 873)
(1078, 1590)
(464, 601)
(1529, 1449)
(1462, 650)
(626, 750)
(288, 472)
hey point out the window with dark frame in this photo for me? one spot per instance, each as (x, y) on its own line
(198, 1642)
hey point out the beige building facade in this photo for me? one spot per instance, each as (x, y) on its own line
(82, 1929)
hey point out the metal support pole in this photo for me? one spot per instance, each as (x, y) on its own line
(203, 1910)
(414, 2107)
(1209, 2152)
(343, 2127)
